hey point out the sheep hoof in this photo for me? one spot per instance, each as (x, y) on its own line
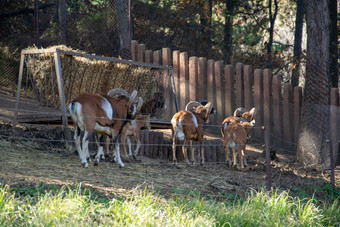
(95, 162)
(121, 165)
(85, 165)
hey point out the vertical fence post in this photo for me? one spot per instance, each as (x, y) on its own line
(229, 89)
(268, 168)
(267, 97)
(277, 111)
(193, 77)
(220, 101)
(61, 88)
(184, 74)
(166, 60)
(134, 50)
(202, 78)
(21, 71)
(248, 87)
(210, 82)
(175, 66)
(141, 54)
(148, 56)
(258, 101)
(288, 135)
(239, 85)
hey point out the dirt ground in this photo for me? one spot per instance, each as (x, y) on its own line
(30, 154)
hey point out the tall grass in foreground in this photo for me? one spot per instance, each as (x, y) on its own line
(73, 207)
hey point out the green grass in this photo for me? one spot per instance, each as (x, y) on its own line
(76, 206)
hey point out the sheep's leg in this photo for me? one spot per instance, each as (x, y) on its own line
(227, 154)
(85, 153)
(243, 151)
(192, 153)
(202, 154)
(100, 154)
(174, 159)
(124, 137)
(129, 145)
(77, 134)
(234, 157)
(240, 157)
(184, 150)
(107, 145)
(117, 151)
(139, 144)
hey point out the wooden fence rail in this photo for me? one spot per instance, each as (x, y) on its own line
(228, 87)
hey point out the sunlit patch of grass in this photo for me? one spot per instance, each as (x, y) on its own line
(76, 206)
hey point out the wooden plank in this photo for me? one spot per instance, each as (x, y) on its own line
(297, 114)
(134, 50)
(141, 53)
(220, 100)
(193, 77)
(169, 96)
(157, 57)
(21, 70)
(239, 85)
(288, 135)
(202, 79)
(277, 112)
(176, 73)
(147, 143)
(184, 78)
(229, 90)
(267, 98)
(210, 81)
(141, 138)
(258, 103)
(248, 87)
(148, 56)
(61, 90)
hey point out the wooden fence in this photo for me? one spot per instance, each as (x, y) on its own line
(228, 87)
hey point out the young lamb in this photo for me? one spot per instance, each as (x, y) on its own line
(132, 128)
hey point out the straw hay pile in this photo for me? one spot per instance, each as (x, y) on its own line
(83, 75)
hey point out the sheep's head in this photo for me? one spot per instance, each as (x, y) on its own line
(246, 114)
(203, 110)
(134, 104)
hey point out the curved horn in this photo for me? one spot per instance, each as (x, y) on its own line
(253, 112)
(208, 107)
(139, 106)
(132, 98)
(239, 111)
(192, 105)
(116, 92)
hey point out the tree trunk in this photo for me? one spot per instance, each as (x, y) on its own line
(123, 30)
(297, 42)
(272, 18)
(228, 31)
(62, 15)
(332, 5)
(313, 148)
